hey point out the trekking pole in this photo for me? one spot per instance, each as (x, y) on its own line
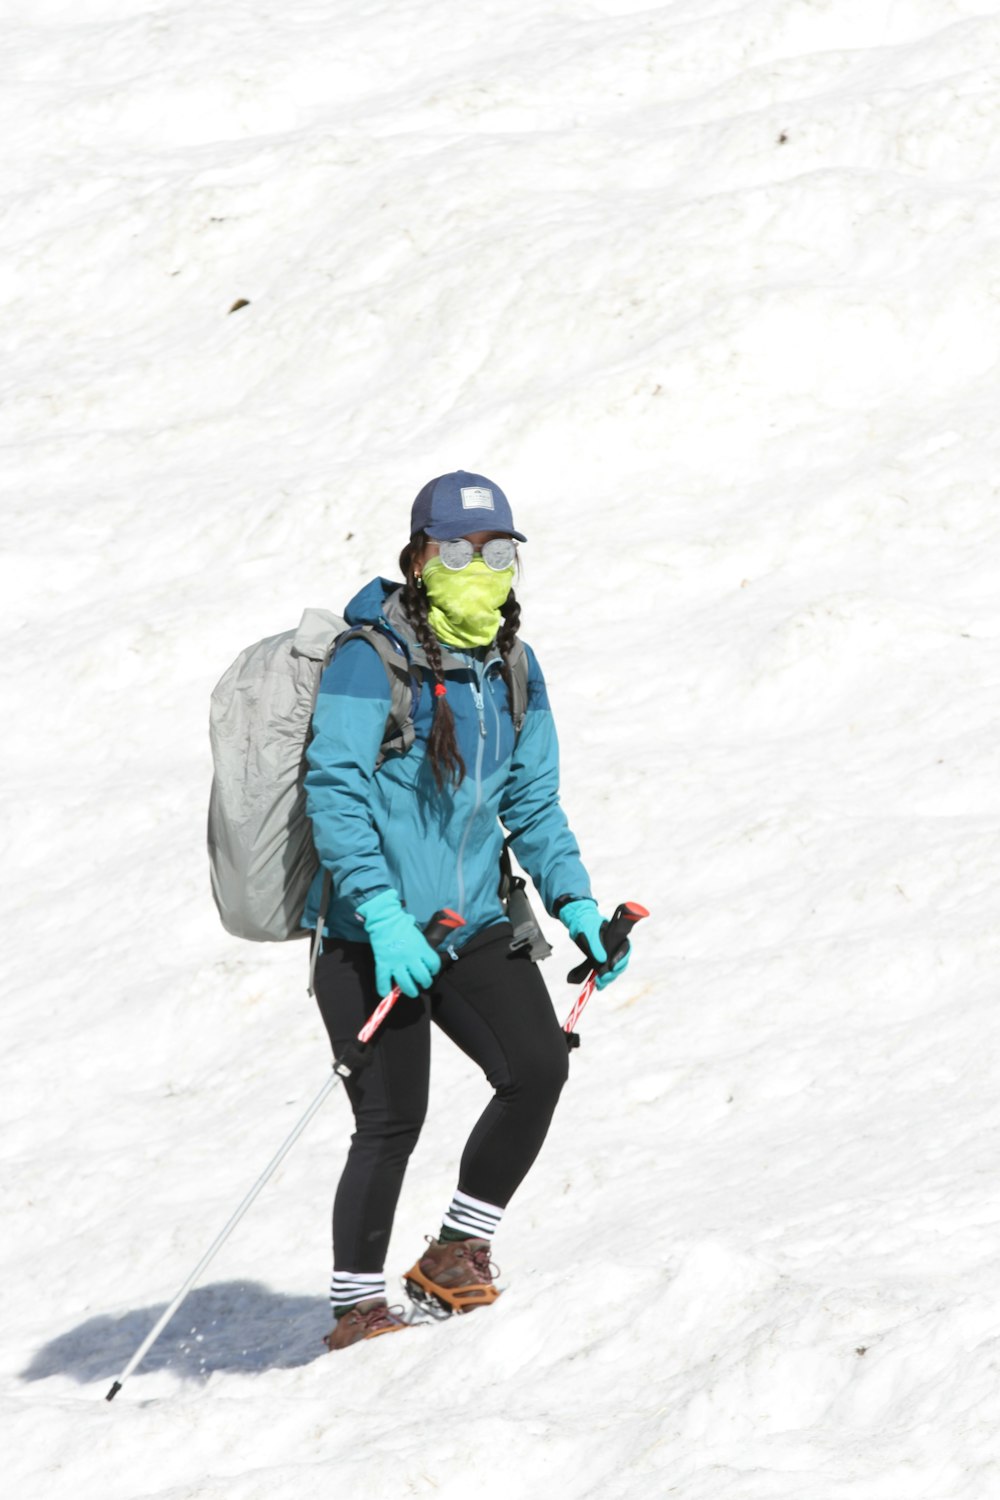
(440, 926)
(614, 936)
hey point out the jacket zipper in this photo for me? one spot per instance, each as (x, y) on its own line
(478, 697)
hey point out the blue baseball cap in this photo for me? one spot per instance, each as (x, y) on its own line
(455, 504)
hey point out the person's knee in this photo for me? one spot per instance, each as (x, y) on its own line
(404, 1134)
(540, 1076)
(386, 1135)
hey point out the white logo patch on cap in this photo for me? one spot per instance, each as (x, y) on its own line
(476, 497)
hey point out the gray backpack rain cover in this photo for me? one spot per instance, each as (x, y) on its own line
(259, 836)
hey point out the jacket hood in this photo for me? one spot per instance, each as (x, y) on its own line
(368, 603)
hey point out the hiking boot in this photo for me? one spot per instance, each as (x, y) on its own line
(453, 1275)
(365, 1321)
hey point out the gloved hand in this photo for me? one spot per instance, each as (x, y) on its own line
(583, 922)
(403, 955)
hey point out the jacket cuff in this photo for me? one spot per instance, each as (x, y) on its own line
(385, 903)
(562, 901)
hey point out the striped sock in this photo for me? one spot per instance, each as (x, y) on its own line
(470, 1218)
(348, 1288)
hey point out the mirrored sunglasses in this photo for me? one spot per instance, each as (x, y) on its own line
(497, 554)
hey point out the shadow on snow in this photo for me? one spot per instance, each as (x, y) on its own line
(233, 1325)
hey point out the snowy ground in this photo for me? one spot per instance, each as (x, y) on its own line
(712, 289)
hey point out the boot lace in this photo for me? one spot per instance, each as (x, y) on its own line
(381, 1317)
(482, 1265)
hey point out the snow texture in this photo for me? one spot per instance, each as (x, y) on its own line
(712, 289)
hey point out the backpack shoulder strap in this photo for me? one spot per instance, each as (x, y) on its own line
(403, 690)
(517, 661)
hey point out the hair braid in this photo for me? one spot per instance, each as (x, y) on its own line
(511, 612)
(442, 747)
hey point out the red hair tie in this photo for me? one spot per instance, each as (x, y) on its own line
(439, 690)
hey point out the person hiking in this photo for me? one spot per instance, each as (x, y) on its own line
(404, 836)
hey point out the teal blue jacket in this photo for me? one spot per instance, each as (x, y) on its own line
(390, 827)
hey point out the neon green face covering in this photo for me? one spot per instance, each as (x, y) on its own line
(464, 607)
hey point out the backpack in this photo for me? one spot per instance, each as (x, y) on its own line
(260, 845)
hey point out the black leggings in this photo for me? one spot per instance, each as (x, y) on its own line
(494, 1005)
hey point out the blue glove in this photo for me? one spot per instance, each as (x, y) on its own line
(583, 922)
(403, 955)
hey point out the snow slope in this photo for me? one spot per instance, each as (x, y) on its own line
(712, 290)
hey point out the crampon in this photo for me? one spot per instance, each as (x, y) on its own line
(452, 1276)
